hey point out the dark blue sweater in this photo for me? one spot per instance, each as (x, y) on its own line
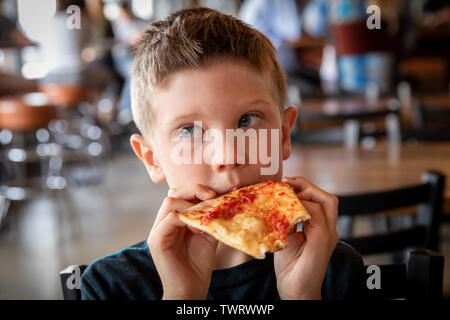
(131, 274)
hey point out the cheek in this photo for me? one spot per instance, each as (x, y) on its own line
(177, 162)
(269, 153)
(271, 139)
(182, 174)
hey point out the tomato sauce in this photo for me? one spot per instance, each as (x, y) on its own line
(234, 205)
(278, 223)
(231, 207)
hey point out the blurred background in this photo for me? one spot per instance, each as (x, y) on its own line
(370, 78)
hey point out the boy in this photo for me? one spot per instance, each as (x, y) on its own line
(198, 71)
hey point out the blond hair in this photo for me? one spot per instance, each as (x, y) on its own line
(195, 38)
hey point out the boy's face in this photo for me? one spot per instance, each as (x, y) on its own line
(223, 96)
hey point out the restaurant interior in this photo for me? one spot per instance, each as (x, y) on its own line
(371, 81)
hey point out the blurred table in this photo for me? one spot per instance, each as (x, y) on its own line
(11, 84)
(26, 112)
(318, 117)
(340, 171)
(435, 100)
(345, 108)
(64, 95)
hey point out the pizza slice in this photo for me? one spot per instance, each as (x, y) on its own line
(254, 219)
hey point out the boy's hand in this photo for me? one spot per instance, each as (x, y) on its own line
(184, 257)
(300, 268)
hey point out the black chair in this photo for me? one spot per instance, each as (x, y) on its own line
(426, 135)
(69, 284)
(421, 278)
(4, 201)
(351, 129)
(429, 124)
(422, 233)
(425, 115)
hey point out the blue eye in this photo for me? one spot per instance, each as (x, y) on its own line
(248, 119)
(190, 131)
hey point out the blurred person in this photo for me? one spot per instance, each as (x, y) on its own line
(439, 11)
(368, 66)
(75, 54)
(281, 22)
(62, 47)
(227, 7)
(101, 71)
(11, 37)
(127, 30)
(101, 33)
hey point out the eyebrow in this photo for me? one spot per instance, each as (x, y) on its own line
(256, 101)
(185, 117)
(198, 116)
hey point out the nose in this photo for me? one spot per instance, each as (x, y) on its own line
(225, 157)
(226, 167)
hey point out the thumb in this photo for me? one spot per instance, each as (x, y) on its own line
(296, 242)
(210, 239)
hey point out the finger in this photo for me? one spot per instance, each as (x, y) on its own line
(167, 234)
(328, 202)
(213, 242)
(295, 243)
(298, 183)
(317, 220)
(317, 233)
(196, 191)
(170, 204)
(202, 248)
(309, 192)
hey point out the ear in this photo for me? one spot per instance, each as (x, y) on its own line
(289, 117)
(145, 153)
